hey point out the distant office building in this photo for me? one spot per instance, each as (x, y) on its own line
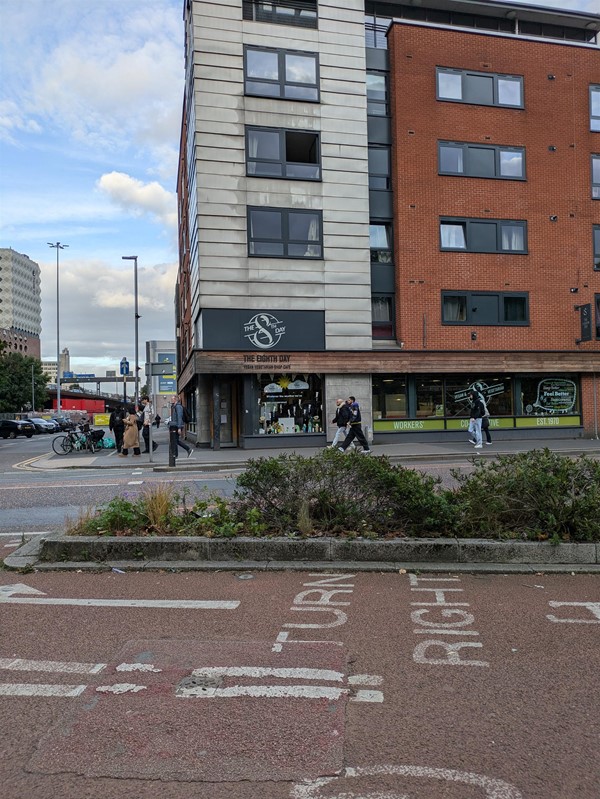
(20, 303)
(163, 386)
(49, 367)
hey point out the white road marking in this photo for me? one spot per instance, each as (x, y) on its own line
(266, 691)
(493, 789)
(365, 679)
(28, 532)
(20, 664)
(18, 588)
(61, 485)
(268, 671)
(593, 607)
(29, 689)
(121, 688)
(178, 604)
(137, 667)
(367, 696)
(135, 482)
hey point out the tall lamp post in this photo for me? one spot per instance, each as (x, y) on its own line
(136, 316)
(33, 387)
(58, 246)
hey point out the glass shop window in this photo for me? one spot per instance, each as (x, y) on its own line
(389, 397)
(553, 395)
(497, 392)
(430, 397)
(283, 404)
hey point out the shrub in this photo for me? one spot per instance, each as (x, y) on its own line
(334, 493)
(533, 495)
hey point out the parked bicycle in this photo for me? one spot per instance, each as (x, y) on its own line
(77, 440)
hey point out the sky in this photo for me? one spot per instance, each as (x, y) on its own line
(90, 112)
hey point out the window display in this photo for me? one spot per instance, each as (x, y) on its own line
(548, 395)
(389, 397)
(497, 392)
(281, 404)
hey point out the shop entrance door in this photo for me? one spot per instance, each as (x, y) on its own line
(228, 413)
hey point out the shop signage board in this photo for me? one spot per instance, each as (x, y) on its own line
(497, 423)
(263, 331)
(548, 421)
(407, 425)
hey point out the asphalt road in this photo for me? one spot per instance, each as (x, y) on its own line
(299, 686)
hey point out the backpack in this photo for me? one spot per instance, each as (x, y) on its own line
(139, 420)
(186, 416)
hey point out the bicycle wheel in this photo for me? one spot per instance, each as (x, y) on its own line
(62, 445)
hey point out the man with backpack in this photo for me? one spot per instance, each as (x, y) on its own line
(179, 418)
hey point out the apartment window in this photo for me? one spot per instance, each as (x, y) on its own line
(595, 108)
(379, 168)
(301, 13)
(382, 312)
(481, 161)
(279, 153)
(380, 242)
(479, 88)
(281, 73)
(285, 233)
(597, 304)
(596, 177)
(377, 94)
(597, 247)
(483, 235)
(485, 308)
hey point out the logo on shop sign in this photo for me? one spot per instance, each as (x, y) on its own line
(264, 330)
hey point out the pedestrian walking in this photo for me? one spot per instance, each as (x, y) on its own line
(355, 431)
(477, 412)
(117, 426)
(177, 423)
(147, 418)
(342, 420)
(485, 426)
(131, 436)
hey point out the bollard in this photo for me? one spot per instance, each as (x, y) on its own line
(172, 446)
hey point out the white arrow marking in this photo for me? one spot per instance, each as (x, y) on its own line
(19, 664)
(18, 588)
(187, 604)
(28, 689)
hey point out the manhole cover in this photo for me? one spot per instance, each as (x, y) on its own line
(207, 681)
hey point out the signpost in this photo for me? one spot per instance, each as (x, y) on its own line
(585, 312)
(124, 371)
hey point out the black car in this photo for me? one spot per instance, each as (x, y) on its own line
(64, 422)
(11, 428)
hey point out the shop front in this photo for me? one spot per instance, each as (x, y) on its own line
(422, 403)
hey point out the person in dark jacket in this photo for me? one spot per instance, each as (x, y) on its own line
(477, 412)
(116, 425)
(355, 428)
(342, 420)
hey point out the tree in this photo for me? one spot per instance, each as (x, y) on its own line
(17, 372)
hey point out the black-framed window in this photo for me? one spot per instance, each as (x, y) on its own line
(596, 177)
(595, 108)
(483, 235)
(301, 13)
(485, 308)
(481, 160)
(479, 88)
(285, 233)
(596, 240)
(377, 94)
(379, 167)
(597, 305)
(288, 74)
(282, 153)
(380, 242)
(382, 316)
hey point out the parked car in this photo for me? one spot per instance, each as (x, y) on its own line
(11, 428)
(64, 422)
(42, 425)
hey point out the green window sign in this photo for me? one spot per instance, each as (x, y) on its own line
(549, 421)
(407, 425)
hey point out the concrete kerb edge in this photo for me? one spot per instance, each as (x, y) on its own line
(238, 554)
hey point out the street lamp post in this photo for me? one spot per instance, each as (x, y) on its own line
(58, 246)
(33, 387)
(136, 316)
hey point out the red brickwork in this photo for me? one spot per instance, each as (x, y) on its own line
(558, 183)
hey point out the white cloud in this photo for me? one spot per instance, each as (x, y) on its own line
(137, 197)
(97, 309)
